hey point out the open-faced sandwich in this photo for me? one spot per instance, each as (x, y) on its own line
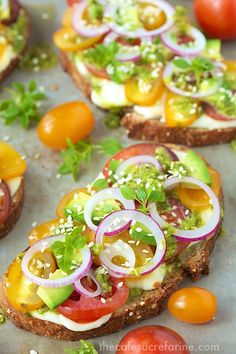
(12, 168)
(143, 60)
(14, 33)
(119, 247)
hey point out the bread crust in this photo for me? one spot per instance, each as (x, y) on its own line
(152, 130)
(149, 304)
(16, 208)
(15, 62)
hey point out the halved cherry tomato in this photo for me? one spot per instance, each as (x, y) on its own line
(152, 339)
(67, 199)
(174, 115)
(21, 293)
(133, 150)
(43, 230)
(193, 305)
(72, 120)
(197, 199)
(12, 163)
(90, 309)
(151, 16)
(144, 93)
(68, 40)
(5, 202)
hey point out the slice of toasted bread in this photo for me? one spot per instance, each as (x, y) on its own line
(152, 130)
(17, 204)
(14, 62)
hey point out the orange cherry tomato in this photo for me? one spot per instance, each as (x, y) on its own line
(72, 120)
(175, 111)
(68, 40)
(43, 230)
(12, 163)
(21, 293)
(197, 199)
(144, 93)
(193, 305)
(151, 19)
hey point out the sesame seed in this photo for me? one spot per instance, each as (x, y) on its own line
(104, 301)
(120, 284)
(131, 313)
(142, 303)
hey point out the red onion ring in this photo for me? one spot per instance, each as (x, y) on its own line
(106, 194)
(151, 224)
(168, 71)
(80, 26)
(81, 289)
(14, 12)
(132, 54)
(45, 243)
(199, 44)
(137, 160)
(212, 112)
(110, 12)
(202, 232)
(5, 207)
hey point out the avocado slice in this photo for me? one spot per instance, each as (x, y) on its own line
(197, 167)
(213, 49)
(76, 208)
(53, 297)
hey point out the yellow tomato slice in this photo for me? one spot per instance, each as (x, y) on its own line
(67, 199)
(231, 65)
(21, 293)
(67, 18)
(197, 199)
(151, 16)
(144, 93)
(12, 163)
(178, 111)
(68, 40)
(43, 230)
(3, 47)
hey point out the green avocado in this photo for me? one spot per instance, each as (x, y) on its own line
(53, 297)
(76, 208)
(197, 167)
(213, 49)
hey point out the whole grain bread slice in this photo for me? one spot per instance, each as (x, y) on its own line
(17, 204)
(15, 62)
(152, 129)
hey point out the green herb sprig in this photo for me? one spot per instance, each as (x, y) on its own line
(23, 106)
(85, 348)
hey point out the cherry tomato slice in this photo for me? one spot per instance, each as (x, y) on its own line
(152, 339)
(144, 93)
(151, 16)
(231, 65)
(175, 116)
(68, 40)
(67, 199)
(43, 230)
(193, 305)
(21, 293)
(73, 120)
(12, 163)
(72, 2)
(90, 309)
(5, 202)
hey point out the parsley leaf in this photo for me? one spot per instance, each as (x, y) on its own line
(74, 155)
(85, 348)
(109, 146)
(101, 55)
(100, 184)
(66, 252)
(23, 106)
(128, 192)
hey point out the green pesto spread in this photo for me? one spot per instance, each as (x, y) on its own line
(103, 278)
(39, 58)
(16, 34)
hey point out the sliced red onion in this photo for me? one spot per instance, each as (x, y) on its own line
(169, 70)
(198, 46)
(100, 197)
(137, 160)
(5, 206)
(127, 52)
(81, 289)
(81, 27)
(202, 232)
(170, 152)
(146, 220)
(118, 248)
(41, 246)
(214, 114)
(110, 12)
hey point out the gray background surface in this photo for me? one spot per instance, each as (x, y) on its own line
(43, 190)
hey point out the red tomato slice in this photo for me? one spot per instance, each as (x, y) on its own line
(90, 309)
(152, 339)
(5, 202)
(101, 73)
(72, 2)
(133, 150)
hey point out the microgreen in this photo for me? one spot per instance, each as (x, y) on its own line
(101, 55)
(85, 348)
(23, 106)
(66, 252)
(109, 146)
(100, 184)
